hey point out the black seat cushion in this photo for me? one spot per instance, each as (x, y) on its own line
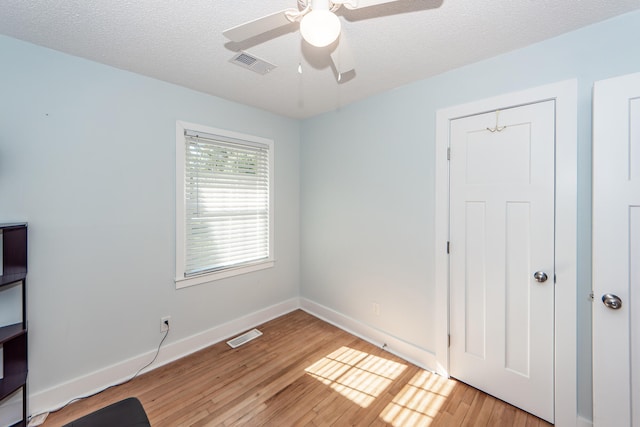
(125, 413)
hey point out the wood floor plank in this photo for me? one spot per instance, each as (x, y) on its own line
(302, 372)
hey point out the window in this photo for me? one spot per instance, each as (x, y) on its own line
(224, 214)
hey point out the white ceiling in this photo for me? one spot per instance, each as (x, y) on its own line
(181, 41)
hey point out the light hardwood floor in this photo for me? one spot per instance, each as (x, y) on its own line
(302, 372)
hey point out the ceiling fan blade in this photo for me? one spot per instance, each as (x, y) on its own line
(342, 58)
(359, 4)
(261, 25)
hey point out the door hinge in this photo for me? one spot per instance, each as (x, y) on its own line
(448, 153)
(448, 247)
(591, 295)
(448, 340)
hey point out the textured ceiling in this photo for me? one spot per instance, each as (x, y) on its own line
(181, 41)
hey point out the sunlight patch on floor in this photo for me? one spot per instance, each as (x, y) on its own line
(419, 401)
(358, 376)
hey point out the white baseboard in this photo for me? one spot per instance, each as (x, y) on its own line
(54, 397)
(405, 350)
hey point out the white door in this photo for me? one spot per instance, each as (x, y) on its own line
(616, 252)
(501, 235)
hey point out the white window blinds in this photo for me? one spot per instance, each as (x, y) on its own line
(226, 203)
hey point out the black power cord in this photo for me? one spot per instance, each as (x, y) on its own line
(75, 399)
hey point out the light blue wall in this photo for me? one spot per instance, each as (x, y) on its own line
(87, 156)
(367, 176)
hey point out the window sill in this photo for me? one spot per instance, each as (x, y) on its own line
(184, 282)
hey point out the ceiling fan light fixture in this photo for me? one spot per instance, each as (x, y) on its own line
(320, 28)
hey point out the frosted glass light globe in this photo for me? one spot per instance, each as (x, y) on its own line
(320, 28)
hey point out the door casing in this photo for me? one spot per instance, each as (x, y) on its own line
(565, 96)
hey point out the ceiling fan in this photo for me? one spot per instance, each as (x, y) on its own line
(319, 26)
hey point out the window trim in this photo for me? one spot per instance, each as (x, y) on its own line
(180, 279)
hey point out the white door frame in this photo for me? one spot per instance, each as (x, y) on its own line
(565, 95)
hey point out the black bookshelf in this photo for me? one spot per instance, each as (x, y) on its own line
(13, 338)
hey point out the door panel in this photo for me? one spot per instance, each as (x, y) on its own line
(616, 251)
(484, 148)
(634, 301)
(475, 337)
(517, 296)
(502, 231)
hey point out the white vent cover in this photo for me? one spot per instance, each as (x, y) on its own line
(251, 62)
(244, 338)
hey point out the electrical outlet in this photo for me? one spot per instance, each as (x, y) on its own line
(164, 323)
(376, 309)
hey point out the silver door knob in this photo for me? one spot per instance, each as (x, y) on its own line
(612, 301)
(540, 276)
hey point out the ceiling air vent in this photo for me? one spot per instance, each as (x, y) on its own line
(252, 63)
